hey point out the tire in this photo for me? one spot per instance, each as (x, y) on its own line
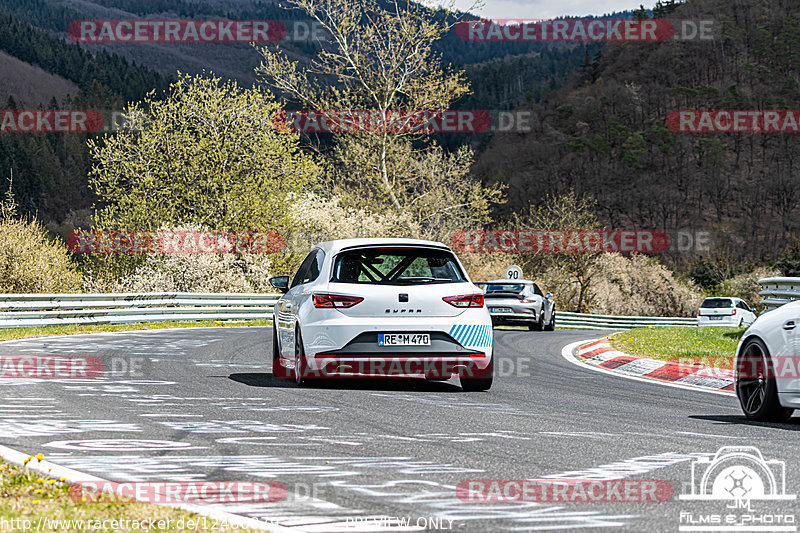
(757, 390)
(278, 370)
(551, 326)
(482, 383)
(537, 326)
(299, 359)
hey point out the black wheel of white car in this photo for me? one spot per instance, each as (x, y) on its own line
(551, 326)
(538, 325)
(755, 384)
(482, 383)
(299, 359)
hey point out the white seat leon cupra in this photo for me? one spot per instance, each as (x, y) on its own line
(382, 307)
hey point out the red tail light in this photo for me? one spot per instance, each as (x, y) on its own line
(465, 300)
(734, 312)
(526, 301)
(335, 300)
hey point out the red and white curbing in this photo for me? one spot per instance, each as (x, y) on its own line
(600, 353)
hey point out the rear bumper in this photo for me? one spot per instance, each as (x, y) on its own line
(726, 321)
(514, 318)
(444, 357)
(395, 365)
(470, 332)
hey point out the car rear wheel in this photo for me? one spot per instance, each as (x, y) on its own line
(479, 383)
(551, 325)
(755, 384)
(299, 359)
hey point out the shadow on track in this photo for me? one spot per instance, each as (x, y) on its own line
(267, 379)
(793, 424)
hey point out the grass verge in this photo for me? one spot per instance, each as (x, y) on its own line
(31, 500)
(74, 329)
(713, 347)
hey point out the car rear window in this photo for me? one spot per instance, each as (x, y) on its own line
(716, 303)
(396, 266)
(516, 289)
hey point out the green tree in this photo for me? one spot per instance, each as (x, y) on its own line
(789, 262)
(578, 269)
(205, 155)
(30, 261)
(379, 57)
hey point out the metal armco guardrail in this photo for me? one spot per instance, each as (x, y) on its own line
(567, 320)
(29, 310)
(778, 291)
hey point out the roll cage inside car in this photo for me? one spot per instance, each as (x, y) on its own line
(396, 266)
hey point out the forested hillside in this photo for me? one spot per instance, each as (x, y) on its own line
(233, 60)
(604, 133)
(50, 169)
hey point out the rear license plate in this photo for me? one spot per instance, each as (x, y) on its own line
(715, 318)
(404, 339)
(499, 309)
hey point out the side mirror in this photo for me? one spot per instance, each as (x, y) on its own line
(280, 282)
(548, 295)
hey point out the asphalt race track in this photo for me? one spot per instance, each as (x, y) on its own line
(381, 455)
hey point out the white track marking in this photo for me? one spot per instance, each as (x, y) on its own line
(57, 471)
(710, 435)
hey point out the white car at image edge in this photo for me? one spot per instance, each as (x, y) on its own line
(767, 365)
(382, 307)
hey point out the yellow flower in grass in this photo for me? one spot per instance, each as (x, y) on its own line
(51, 481)
(38, 491)
(28, 460)
(39, 456)
(37, 502)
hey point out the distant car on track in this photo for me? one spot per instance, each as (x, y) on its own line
(519, 302)
(767, 365)
(725, 311)
(399, 307)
